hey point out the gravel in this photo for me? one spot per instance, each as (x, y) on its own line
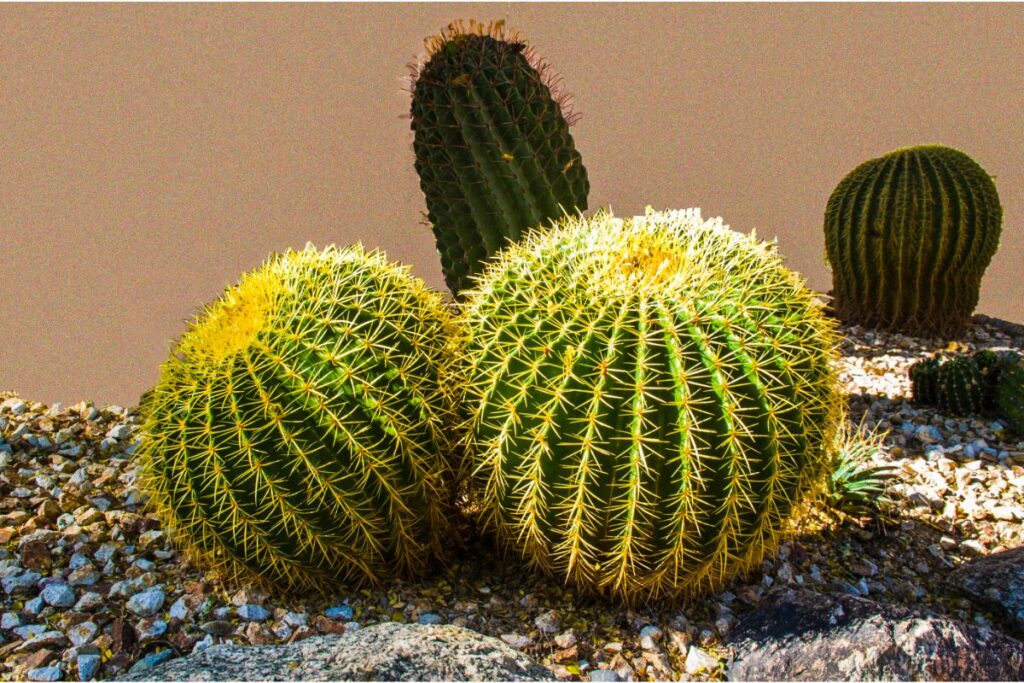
(92, 587)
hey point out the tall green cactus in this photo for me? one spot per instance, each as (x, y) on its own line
(492, 143)
(908, 237)
(300, 428)
(647, 400)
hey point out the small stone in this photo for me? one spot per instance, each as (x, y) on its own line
(147, 603)
(34, 606)
(10, 620)
(202, 644)
(88, 666)
(83, 633)
(48, 511)
(45, 673)
(258, 634)
(150, 628)
(54, 639)
(151, 660)
(151, 538)
(84, 576)
(698, 660)
(218, 628)
(566, 639)
(20, 583)
(547, 623)
(650, 636)
(972, 547)
(29, 631)
(604, 675)
(339, 612)
(120, 431)
(281, 630)
(430, 618)
(252, 612)
(517, 640)
(296, 619)
(89, 602)
(105, 553)
(59, 595)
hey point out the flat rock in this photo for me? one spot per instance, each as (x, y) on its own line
(802, 635)
(996, 582)
(389, 652)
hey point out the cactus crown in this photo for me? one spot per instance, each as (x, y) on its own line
(648, 400)
(299, 431)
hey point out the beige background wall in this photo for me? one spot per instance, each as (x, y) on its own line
(149, 154)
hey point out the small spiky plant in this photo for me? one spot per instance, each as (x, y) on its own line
(858, 483)
(300, 429)
(493, 149)
(908, 237)
(956, 386)
(647, 401)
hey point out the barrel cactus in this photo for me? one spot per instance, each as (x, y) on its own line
(647, 401)
(493, 149)
(300, 432)
(908, 236)
(957, 386)
(1010, 395)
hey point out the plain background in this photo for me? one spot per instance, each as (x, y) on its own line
(150, 154)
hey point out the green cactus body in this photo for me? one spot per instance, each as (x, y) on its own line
(300, 428)
(647, 400)
(1010, 395)
(908, 237)
(493, 149)
(961, 387)
(924, 382)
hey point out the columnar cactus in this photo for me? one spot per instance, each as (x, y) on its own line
(647, 400)
(300, 428)
(908, 237)
(492, 143)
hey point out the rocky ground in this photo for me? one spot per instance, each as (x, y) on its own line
(92, 588)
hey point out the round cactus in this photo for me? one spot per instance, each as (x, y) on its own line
(647, 400)
(908, 237)
(300, 433)
(493, 149)
(1010, 395)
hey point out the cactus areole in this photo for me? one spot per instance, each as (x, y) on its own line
(493, 149)
(908, 237)
(299, 430)
(648, 401)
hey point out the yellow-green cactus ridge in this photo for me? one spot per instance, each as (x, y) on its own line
(301, 429)
(648, 400)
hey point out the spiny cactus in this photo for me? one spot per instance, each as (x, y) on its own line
(956, 386)
(492, 143)
(1009, 396)
(647, 400)
(908, 236)
(300, 428)
(857, 483)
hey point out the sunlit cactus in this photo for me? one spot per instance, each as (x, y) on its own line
(908, 236)
(301, 429)
(493, 149)
(648, 400)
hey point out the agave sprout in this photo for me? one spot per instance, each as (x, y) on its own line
(858, 482)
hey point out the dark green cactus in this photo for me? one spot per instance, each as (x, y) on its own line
(300, 430)
(648, 401)
(908, 237)
(983, 383)
(492, 143)
(1010, 395)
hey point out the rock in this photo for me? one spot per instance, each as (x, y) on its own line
(604, 675)
(88, 666)
(650, 636)
(83, 633)
(566, 639)
(396, 652)
(217, 627)
(20, 583)
(59, 595)
(517, 640)
(45, 673)
(547, 623)
(802, 635)
(147, 603)
(46, 639)
(996, 582)
(430, 619)
(253, 613)
(698, 660)
(339, 612)
(89, 602)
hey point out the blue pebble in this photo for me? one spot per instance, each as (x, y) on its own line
(430, 618)
(253, 613)
(88, 666)
(45, 673)
(341, 612)
(149, 661)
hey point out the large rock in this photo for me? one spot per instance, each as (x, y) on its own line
(803, 635)
(386, 652)
(996, 582)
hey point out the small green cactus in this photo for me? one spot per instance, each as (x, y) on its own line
(908, 237)
(957, 386)
(492, 143)
(1009, 396)
(648, 400)
(300, 429)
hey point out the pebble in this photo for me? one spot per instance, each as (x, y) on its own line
(250, 612)
(89, 602)
(650, 636)
(151, 660)
(566, 639)
(296, 619)
(21, 583)
(604, 675)
(340, 612)
(147, 603)
(45, 673)
(517, 640)
(697, 660)
(151, 628)
(59, 595)
(430, 618)
(88, 666)
(547, 623)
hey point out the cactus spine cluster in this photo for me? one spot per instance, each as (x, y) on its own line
(300, 428)
(648, 400)
(493, 149)
(908, 236)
